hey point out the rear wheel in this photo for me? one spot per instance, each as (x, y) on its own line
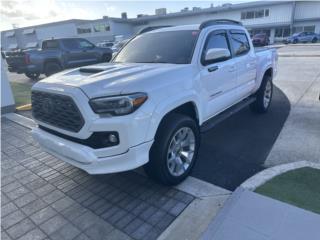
(52, 68)
(314, 40)
(263, 96)
(174, 150)
(33, 76)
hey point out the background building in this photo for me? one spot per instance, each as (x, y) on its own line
(278, 19)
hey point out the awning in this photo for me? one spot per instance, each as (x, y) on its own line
(29, 31)
(9, 34)
(13, 46)
(31, 45)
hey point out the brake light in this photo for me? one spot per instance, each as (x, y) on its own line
(27, 58)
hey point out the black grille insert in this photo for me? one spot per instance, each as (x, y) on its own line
(57, 110)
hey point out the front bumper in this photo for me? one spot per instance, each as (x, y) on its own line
(24, 69)
(89, 159)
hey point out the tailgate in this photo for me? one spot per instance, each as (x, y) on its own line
(15, 59)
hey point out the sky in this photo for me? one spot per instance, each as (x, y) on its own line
(22, 13)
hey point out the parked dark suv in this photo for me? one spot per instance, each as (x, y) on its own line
(56, 55)
(260, 39)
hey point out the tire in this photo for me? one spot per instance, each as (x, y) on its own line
(295, 41)
(159, 167)
(106, 58)
(263, 96)
(52, 68)
(33, 76)
(314, 40)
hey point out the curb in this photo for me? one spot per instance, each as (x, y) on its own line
(269, 173)
(298, 55)
(21, 120)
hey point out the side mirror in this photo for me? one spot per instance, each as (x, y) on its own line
(216, 55)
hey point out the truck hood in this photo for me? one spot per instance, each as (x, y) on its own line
(115, 78)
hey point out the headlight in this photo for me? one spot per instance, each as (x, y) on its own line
(118, 105)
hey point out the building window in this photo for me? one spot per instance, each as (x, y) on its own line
(101, 27)
(286, 32)
(259, 14)
(282, 32)
(250, 15)
(83, 29)
(309, 28)
(297, 29)
(255, 14)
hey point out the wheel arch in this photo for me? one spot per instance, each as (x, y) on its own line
(186, 107)
(50, 60)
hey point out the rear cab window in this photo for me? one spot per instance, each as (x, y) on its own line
(239, 42)
(50, 44)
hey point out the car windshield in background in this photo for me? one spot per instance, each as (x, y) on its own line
(160, 47)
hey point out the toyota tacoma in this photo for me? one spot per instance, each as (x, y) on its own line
(149, 105)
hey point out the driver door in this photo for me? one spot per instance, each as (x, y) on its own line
(219, 77)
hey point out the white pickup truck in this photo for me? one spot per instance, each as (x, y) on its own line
(149, 105)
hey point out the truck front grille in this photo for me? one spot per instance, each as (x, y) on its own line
(57, 110)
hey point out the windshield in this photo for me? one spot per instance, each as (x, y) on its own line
(160, 47)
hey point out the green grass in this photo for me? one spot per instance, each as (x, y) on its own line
(21, 93)
(299, 187)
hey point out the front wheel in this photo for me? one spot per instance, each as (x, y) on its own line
(263, 96)
(314, 40)
(174, 150)
(33, 76)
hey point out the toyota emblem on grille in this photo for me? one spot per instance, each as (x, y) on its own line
(47, 106)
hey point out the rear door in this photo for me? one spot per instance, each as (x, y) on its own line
(218, 78)
(78, 52)
(89, 52)
(245, 62)
(72, 53)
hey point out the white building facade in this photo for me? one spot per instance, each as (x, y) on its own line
(279, 19)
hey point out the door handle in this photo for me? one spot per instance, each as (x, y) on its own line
(251, 64)
(212, 69)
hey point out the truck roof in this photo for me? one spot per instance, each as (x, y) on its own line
(195, 27)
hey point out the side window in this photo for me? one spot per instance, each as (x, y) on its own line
(214, 40)
(71, 44)
(240, 43)
(85, 44)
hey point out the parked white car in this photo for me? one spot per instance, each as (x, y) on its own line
(149, 105)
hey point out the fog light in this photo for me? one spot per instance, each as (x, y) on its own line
(113, 138)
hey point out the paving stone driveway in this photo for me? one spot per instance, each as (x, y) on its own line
(45, 198)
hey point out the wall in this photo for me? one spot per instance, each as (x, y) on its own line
(279, 14)
(307, 10)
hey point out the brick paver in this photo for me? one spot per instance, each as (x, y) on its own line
(45, 198)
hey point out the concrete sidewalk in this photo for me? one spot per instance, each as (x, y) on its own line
(299, 139)
(250, 216)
